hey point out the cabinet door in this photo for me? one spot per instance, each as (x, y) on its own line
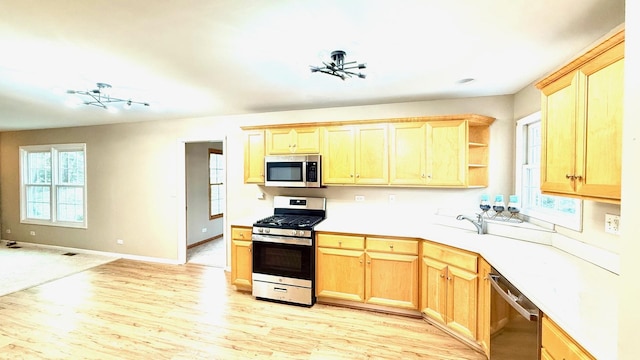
(254, 157)
(559, 135)
(601, 140)
(484, 306)
(433, 297)
(338, 161)
(280, 141)
(392, 280)
(462, 295)
(241, 264)
(407, 153)
(556, 344)
(544, 355)
(372, 155)
(307, 140)
(446, 153)
(340, 274)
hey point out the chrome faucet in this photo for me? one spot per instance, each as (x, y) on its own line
(479, 223)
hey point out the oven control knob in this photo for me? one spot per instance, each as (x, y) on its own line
(267, 230)
(259, 230)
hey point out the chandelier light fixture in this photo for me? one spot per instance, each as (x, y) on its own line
(337, 67)
(100, 97)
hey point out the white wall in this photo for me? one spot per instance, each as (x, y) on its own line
(136, 178)
(628, 314)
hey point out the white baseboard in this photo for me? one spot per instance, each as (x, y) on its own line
(102, 253)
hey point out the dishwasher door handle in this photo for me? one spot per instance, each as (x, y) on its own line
(526, 313)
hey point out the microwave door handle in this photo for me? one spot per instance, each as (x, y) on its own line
(531, 316)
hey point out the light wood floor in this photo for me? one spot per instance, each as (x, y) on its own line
(135, 310)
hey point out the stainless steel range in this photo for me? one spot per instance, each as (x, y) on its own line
(284, 250)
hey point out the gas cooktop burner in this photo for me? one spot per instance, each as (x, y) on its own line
(289, 221)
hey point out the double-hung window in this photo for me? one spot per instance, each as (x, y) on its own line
(53, 185)
(216, 184)
(563, 211)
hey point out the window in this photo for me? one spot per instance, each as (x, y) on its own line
(53, 185)
(566, 212)
(216, 190)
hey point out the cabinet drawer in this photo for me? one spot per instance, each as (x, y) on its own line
(340, 241)
(392, 245)
(558, 344)
(240, 233)
(451, 256)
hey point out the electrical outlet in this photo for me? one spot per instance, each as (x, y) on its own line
(120, 241)
(392, 198)
(204, 230)
(612, 224)
(32, 233)
(359, 197)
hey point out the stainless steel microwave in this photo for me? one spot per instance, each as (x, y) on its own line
(293, 171)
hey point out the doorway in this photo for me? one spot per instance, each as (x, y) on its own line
(205, 203)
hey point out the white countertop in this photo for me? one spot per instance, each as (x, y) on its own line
(580, 297)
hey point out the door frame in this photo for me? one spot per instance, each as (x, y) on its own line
(181, 195)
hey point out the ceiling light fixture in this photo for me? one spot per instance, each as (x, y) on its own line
(99, 97)
(337, 67)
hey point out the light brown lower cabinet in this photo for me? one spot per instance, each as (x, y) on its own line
(241, 257)
(449, 288)
(558, 345)
(370, 270)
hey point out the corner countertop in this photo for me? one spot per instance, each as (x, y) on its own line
(579, 296)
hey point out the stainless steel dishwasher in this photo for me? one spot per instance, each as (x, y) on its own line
(515, 322)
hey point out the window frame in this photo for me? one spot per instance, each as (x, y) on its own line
(573, 222)
(221, 184)
(54, 150)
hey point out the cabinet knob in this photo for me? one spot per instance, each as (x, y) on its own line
(368, 261)
(441, 275)
(391, 246)
(429, 176)
(350, 175)
(340, 243)
(357, 175)
(578, 177)
(570, 177)
(423, 175)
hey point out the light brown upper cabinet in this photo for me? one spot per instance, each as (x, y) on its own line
(449, 151)
(254, 157)
(445, 153)
(303, 140)
(355, 154)
(582, 108)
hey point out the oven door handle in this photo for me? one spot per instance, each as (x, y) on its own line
(512, 299)
(282, 240)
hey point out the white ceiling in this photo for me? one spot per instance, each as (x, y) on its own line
(194, 58)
